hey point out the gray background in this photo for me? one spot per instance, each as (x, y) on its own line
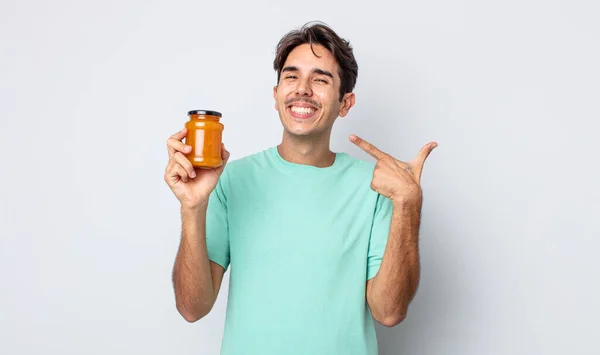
(90, 91)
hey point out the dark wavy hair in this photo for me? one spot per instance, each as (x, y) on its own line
(319, 33)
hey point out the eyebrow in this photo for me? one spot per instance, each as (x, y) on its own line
(316, 71)
(323, 72)
(289, 69)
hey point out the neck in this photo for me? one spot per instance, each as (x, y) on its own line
(307, 150)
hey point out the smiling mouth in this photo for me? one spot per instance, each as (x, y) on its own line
(302, 112)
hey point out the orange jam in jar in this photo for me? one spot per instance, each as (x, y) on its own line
(204, 134)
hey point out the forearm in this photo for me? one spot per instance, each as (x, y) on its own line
(192, 279)
(396, 283)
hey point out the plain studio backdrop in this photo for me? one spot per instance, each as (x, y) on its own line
(90, 91)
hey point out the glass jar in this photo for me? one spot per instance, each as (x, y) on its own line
(204, 134)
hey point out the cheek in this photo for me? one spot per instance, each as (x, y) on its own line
(282, 95)
(327, 99)
(279, 100)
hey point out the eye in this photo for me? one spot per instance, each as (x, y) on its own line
(291, 77)
(322, 81)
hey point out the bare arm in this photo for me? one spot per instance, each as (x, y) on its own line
(393, 288)
(196, 280)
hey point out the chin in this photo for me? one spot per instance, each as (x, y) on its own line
(299, 132)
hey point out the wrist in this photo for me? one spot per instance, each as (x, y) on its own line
(194, 208)
(407, 201)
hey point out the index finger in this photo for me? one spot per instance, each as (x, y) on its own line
(177, 137)
(367, 147)
(180, 135)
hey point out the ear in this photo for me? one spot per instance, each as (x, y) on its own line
(275, 96)
(347, 102)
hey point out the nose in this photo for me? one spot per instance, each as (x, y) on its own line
(303, 88)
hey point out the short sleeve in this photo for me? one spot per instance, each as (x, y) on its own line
(380, 229)
(217, 226)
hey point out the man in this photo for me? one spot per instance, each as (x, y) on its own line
(319, 243)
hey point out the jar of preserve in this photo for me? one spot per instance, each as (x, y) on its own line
(204, 135)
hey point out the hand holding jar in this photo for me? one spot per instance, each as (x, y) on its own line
(195, 165)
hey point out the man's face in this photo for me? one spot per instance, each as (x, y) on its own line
(307, 96)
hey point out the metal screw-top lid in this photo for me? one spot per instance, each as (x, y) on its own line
(205, 112)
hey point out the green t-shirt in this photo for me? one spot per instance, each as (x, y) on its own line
(301, 242)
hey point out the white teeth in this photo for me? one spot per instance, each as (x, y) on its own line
(303, 110)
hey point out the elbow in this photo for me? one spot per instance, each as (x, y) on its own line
(392, 320)
(192, 315)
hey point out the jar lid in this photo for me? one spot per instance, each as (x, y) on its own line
(205, 112)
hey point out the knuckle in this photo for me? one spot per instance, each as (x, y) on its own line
(184, 170)
(169, 174)
(182, 176)
(173, 171)
(387, 162)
